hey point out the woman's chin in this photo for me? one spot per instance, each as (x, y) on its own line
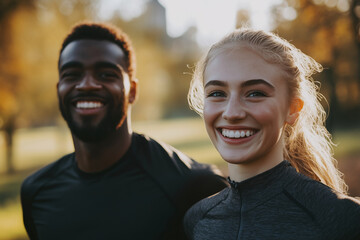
(235, 160)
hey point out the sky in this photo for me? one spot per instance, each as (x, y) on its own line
(213, 18)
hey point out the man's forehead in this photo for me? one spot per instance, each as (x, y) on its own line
(91, 51)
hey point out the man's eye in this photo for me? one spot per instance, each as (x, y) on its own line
(107, 75)
(71, 75)
(256, 94)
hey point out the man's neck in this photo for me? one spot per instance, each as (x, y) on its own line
(98, 156)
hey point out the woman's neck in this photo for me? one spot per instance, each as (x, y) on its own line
(241, 172)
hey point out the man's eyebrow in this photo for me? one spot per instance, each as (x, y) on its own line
(252, 82)
(75, 64)
(215, 83)
(70, 65)
(109, 65)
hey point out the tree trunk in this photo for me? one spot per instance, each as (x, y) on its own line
(9, 130)
(332, 111)
(355, 16)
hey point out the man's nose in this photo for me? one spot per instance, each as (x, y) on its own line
(234, 110)
(88, 83)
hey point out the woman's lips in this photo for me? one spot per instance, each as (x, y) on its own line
(236, 135)
(230, 133)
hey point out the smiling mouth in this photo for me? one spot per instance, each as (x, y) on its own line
(236, 134)
(88, 104)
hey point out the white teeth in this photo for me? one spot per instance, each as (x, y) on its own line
(232, 134)
(236, 133)
(242, 133)
(84, 104)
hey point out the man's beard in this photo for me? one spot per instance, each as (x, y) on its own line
(107, 126)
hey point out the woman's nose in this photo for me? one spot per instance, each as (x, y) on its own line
(234, 110)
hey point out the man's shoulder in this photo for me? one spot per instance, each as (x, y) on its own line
(184, 179)
(41, 176)
(169, 154)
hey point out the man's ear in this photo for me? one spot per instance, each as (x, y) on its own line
(133, 90)
(295, 107)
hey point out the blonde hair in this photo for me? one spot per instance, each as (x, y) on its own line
(308, 144)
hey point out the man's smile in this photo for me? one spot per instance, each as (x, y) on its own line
(88, 104)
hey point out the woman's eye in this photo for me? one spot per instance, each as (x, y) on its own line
(256, 94)
(216, 94)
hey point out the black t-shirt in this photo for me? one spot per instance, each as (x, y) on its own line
(126, 201)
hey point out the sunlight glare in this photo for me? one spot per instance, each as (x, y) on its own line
(343, 5)
(212, 18)
(127, 10)
(289, 13)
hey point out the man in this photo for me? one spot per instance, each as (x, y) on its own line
(117, 184)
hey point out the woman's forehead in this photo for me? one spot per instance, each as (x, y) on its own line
(241, 62)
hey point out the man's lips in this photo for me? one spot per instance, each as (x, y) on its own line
(88, 105)
(88, 102)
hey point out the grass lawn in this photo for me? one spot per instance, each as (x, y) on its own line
(347, 143)
(35, 148)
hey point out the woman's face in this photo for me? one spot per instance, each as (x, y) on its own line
(245, 106)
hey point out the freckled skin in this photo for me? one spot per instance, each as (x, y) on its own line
(235, 103)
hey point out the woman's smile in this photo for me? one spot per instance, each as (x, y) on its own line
(245, 106)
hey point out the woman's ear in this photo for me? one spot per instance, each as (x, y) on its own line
(295, 107)
(133, 91)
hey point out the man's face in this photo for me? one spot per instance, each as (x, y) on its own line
(94, 90)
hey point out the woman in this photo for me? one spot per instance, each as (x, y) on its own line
(262, 112)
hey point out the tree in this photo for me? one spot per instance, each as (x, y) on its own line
(323, 30)
(355, 16)
(162, 62)
(30, 39)
(9, 78)
(30, 42)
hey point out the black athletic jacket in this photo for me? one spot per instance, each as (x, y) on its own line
(277, 204)
(180, 178)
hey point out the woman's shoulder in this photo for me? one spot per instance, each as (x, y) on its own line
(312, 192)
(200, 209)
(335, 212)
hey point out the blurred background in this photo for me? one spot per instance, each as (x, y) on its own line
(168, 36)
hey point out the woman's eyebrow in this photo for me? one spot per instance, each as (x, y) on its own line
(252, 82)
(215, 83)
(247, 83)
